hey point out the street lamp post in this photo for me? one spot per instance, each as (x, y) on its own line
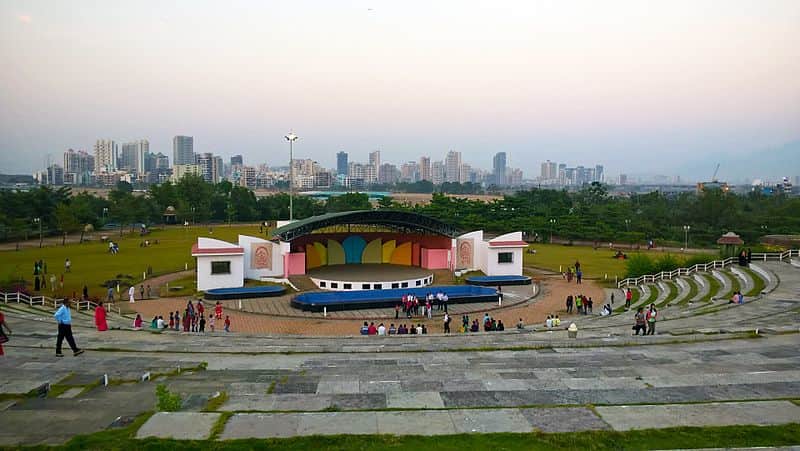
(552, 226)
(291, 137)
(686, 229)
(627, 225)
(39, 221)
(193, 220)
(105, 212)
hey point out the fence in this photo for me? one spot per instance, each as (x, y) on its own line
(45, 301)
(703, 267)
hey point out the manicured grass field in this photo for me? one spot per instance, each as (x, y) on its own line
(92, 265)
(595, 263)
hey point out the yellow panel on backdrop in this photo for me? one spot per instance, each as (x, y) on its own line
(372, 252)
(388, 249)
(312, 257)
(322, 252)
(402, 255)
(335, 253)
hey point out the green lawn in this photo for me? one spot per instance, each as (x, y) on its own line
(92, 264)
(595, 263)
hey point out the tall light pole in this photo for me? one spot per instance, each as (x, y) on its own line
(39, 221)
(291, 137)
(686, 229)
(552, 226)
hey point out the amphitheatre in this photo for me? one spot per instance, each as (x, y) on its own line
(715, 374)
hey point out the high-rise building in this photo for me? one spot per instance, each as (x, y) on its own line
(598, 173)
(623, 179)
(183, 150)
(409, 172)
(55, 175)
(206, 163)
(549, 170)
(341, 163)
(105, 156)
(452, 163)
(180, 170)
(437, 173)
(499, 167)
(389, 174)
(237, 160)
(464, 173)
(133, 156)
(78, 167)
(425, 168)
(375, 161)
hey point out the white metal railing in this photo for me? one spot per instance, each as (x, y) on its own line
(703, 267)
(46, 301)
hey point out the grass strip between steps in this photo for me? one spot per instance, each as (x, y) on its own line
(670, 438)
(758, 282)
(692, 291)
(673, 293)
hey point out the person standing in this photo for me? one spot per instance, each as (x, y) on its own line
(639, 322)
(227, 324)
(64, 318)
(141, 291)
(446, 322)
(67, 265)
(569, 303)
(131, 294)
(218, 310)
(100, 317)
(110, 296)
(651, 320)
(3, 337)
(628, 297)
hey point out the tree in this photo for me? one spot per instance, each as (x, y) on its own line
(386, 202)
(67, 221)
(348, 202)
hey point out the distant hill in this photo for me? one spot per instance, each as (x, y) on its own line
(16, 178)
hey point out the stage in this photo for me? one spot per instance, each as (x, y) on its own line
(369, 276)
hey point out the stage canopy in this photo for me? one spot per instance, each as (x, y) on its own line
(401, 221)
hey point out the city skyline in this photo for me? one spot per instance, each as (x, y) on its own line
(621, 83)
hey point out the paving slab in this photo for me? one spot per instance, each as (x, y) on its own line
(337, 386)
(70, 393)
(490, 420)
(415, 423)
(414, 400)
(301, 402)
(179, 425)
(564, 419)
(624, 418)
(334, 423)
(261, 425)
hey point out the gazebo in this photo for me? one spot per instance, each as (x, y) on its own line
(170, 215)
(730, 242)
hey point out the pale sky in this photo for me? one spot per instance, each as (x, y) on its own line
(630, 84)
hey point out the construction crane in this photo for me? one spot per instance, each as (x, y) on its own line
(714, 177)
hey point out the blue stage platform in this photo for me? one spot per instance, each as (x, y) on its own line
(219, 294)
(366, 299)
(496, 281)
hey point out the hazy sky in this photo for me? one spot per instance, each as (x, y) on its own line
(631, 84)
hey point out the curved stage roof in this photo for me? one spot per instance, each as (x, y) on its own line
(403, 221)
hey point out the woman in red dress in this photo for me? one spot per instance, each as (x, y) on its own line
(100, 317)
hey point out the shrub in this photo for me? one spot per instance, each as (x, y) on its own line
(666, 263)
(167, 402)
(638, 265)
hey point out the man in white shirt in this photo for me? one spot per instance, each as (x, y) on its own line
(160, 323)
(381, 329)
(131, 292)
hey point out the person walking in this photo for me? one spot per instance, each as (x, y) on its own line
(651, 320)
(3, 336)
(569, 303)
(64, 318)
(132, 294)
(100, 317)
(628, 297)
(227, 324)
(110, 296)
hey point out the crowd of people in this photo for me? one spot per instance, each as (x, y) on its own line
(401, 329)
(193, 319)
(411, 305)
(580, 304)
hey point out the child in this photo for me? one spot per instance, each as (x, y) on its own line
(227, 323)
(211, 322)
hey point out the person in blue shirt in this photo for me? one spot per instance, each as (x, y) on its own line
(64, 318)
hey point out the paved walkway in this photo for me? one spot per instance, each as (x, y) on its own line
(549, 301)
